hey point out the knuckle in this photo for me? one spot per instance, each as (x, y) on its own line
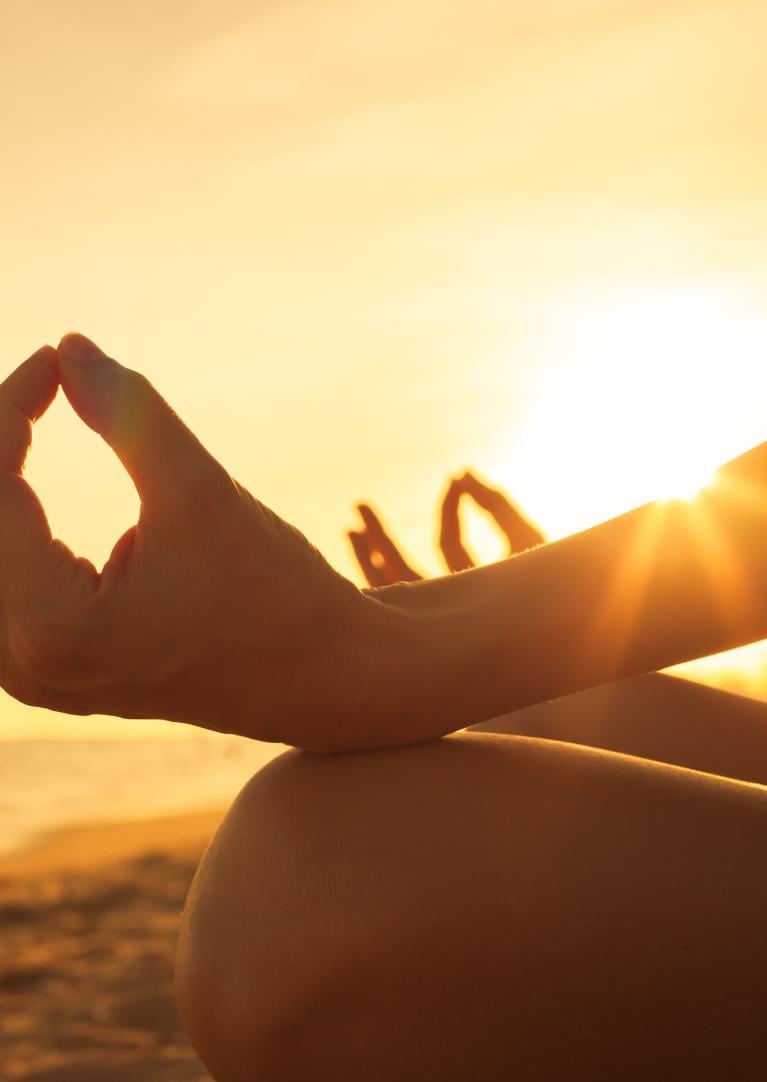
(137, 384)
(207, 490)
(131, 380)
(135, 396)
(132, 403)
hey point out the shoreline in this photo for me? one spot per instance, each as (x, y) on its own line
(92, 846)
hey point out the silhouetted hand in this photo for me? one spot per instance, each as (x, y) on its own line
(213, 610)
(520, 534)
(382, 562)
(210, 610)
(379, 557)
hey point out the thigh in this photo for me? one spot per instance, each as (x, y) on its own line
(656, 717)
(484, 907)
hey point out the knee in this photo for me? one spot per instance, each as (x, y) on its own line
(282, 914)
(309, 902)
(244, 960)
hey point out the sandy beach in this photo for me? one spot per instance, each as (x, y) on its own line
(88, 925)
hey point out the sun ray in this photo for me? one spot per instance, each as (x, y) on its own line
(643, 391)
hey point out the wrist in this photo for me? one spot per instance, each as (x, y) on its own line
(438, 658)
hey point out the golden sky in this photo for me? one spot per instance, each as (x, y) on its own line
(360, 246)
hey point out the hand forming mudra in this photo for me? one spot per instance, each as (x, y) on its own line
(214, 611)
(210, 610)
(382, 562)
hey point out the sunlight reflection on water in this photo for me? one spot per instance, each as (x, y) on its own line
(45, 785)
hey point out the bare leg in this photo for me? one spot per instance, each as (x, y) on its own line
(656, 717)
(606, 921)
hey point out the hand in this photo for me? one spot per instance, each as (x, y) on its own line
(520, 534)
(379, 557)
(382, 562)
(214, 611)
(211, 610)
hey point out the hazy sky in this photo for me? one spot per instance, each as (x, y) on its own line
(361, 245)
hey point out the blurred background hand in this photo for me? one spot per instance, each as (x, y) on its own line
(382, 562)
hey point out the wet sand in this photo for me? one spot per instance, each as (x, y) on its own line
(88, 926)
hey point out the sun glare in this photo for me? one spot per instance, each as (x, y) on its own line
(687, 484)
(645, 392)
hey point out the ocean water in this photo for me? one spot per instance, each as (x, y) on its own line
(49, 784)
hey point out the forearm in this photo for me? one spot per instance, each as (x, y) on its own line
(660, 585)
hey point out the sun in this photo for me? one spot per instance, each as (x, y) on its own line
(642, 391)
(687, 485)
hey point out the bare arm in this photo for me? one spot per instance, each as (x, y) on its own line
(652, 716)
(662, 584)
(214, 611)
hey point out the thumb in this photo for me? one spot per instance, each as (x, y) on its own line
(157, 449)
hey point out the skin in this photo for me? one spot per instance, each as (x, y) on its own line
(483, 906)
(214, 611)
(381, 560)
(209, 590)
(653, 717)
(523, 909)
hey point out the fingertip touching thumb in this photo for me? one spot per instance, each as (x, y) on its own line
(90, 380)
(150, 440)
